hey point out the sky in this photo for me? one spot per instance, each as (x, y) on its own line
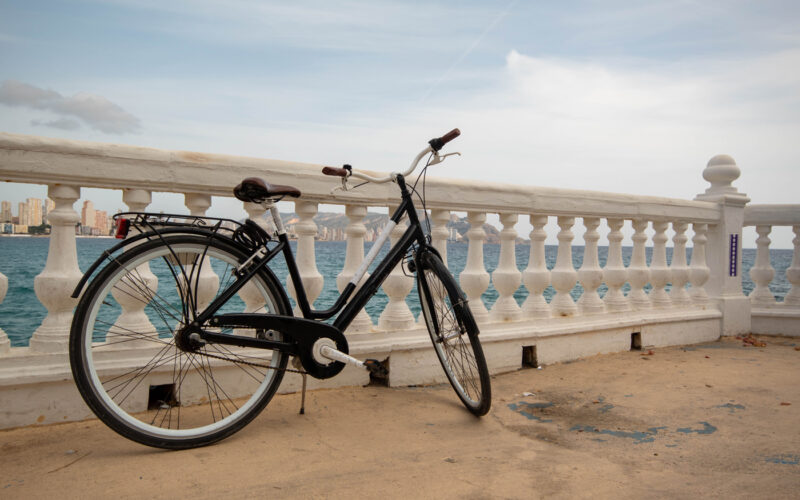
(617, 96)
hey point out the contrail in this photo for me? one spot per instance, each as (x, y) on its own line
(469, 50)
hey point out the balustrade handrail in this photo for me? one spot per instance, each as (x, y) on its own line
(38, 160)
(772, 214)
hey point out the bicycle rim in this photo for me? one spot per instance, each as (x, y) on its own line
(136, 376)
(458, 349)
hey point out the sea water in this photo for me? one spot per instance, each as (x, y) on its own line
(23, 258)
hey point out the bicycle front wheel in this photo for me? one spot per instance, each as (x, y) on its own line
(454, 334)
(145, 379)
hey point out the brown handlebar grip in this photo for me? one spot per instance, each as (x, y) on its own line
(439, 142)
(450, 135)
(335, 171)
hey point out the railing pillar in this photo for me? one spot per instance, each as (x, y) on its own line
(615, 274)
(61, 273)
(563, 275)
(5, 343)
(354, 255)
(474, 278)
(680, 271)
(590, 275)
(638, 273)
(724, 249)
(439, 232)
(208, 284)
(792, 298)
(659, 272)
(250, 295)
(536, 276)
(762, 272)
(305, 257)
(396, 315)
(133, 317)
(698, 270)
(506, 278)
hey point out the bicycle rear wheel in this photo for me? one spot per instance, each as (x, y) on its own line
(144, 379)
(454, 334)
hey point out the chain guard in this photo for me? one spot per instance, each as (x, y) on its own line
(299, 335)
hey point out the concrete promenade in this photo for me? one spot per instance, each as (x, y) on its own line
(718, 420)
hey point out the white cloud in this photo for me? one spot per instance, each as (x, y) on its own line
(96, 111)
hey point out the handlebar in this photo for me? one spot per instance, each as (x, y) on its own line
(434, 146)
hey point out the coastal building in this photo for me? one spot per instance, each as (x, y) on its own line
(5, 211)
(34, 206)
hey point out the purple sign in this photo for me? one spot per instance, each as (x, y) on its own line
(733, 267)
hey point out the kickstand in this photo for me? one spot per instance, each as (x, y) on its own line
(303, 397)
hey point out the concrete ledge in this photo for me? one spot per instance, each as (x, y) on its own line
(37, 389)
(776, 321)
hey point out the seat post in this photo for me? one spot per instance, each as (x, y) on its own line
(276, 216)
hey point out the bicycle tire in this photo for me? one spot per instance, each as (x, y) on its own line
(135, 377)
(449, 320)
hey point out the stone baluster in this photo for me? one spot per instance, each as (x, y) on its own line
(55, 284)
(680, 271)
(590, 275)
(5, 344)
(396, 315)
(792, 298)
(439, 232)
(699, 272)
(133, 318)
(506, 277)
(253, 299)
(354, 256)
(305, 257)
(660, 274)
(614, 274)
(474, 278)
(638, 273)
(762, 272)
(536, 276)
(208, 282)
(563, 274)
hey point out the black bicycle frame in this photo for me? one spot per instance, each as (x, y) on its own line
(349, 310)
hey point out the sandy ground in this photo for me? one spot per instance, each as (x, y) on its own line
(719, 419)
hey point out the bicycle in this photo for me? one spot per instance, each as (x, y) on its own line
(162, 354)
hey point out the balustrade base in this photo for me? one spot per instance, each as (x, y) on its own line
(776, 320)
(37, 388)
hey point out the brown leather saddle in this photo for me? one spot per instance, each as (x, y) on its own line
(256, 190)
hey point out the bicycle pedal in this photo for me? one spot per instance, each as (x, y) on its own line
(376, 368)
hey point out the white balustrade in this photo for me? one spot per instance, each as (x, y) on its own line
(206, 284)
(615, 274)
(699, 272)
(474, 278)
(506, 278)
(5, 343)
(792, 298)
(439, 232)
(638, 273)
(305, 257)
(680, 271)
(354, 256)
(563, 276)
(590, 275)
(253, 299)
(133, 317)
(397, 315)
(762, 272)
(659, 272)
(536, 276)
(61, 273)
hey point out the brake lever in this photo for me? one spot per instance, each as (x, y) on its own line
(439, 159)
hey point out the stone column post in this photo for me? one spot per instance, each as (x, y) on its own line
(680, 271)
(724, 247)
(474, 278)
(563, 274)
(354, 256)
(397, 315)
(506, 277)
(590, 275)
(306, 258)
(5, 344)
(615, 273)
(61, 274)
(792, 298)
(536, 276)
